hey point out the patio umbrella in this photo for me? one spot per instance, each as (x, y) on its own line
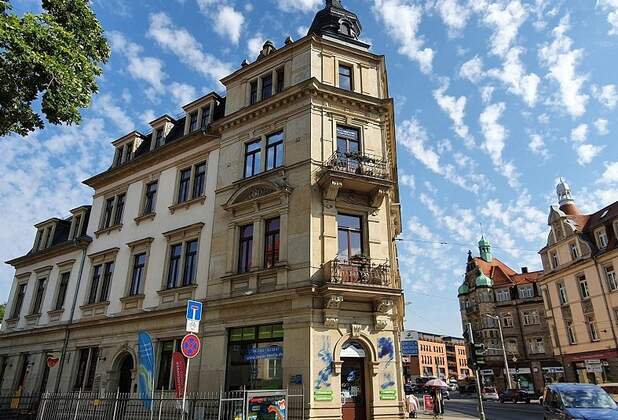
(436, 383)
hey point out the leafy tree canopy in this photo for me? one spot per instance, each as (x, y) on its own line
(55, 57)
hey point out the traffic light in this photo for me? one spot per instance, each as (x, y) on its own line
(476, 355)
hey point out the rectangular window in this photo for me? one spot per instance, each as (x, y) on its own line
(19, 300)
(192, 122)
(593, 332)
(137, 275)
(107, 213)
(530, 318)
(280, 79)
(245, 248)
(165, 379)
(526, 291)
(348, 140)
(507, 320)
(602, 239)
(274, 150)
(583, 287)
(205, 117)
(199, 180)
(536, 345)
(38, 295)
(570, 332)
(562, 293)
(253, 92)
(62, 290)
(77, 219)
(173, 271)
(574, 251)
(554, 259)
(345, 77)
(190, 266)
(254, 356)
(610, 275)
(150, 199)
(128, 152)
(159, 138)
(271, 243)
(86, 368)
(119, 208)
(503, 295)
(267, 86)
(183, 185)
(94, 283)
(349, 236)
(108, 272)
(253, 156)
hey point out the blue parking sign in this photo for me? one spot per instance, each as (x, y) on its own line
(194, 310)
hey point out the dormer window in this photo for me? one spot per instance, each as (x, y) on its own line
(192, 122)
(205, 117)
(159, 137)
(124, 153)
(44, 237)
(76, 226)
(601, 238)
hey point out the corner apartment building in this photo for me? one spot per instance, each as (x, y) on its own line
(276, 204)
(427, 355)
(580, 288)
(493, 292)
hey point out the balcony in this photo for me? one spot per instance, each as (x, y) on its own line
(361, 272)
(360, 173)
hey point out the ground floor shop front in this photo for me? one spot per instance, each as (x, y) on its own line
(593, 367)
(531, 376)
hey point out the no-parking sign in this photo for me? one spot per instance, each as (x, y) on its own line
(190, 346)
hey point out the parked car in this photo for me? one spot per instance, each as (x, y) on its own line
(611, 389)
(490, 393)
(515, 396)
(578, 401)
(452, 385)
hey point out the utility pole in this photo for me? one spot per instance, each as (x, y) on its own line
(477, 374)
(506, 359)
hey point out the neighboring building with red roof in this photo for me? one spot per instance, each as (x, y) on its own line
(580, 288)
(493, 292)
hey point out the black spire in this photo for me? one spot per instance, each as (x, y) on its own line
(335, 21)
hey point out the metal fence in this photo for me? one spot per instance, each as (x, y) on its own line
(118, 406)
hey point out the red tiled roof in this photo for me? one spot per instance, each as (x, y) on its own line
(503, 275)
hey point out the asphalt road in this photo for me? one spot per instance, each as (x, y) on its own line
(495, 410)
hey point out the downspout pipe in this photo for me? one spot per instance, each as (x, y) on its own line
(84, 245)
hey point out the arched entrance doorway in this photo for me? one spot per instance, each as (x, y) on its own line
(353, 385)
(123, 372)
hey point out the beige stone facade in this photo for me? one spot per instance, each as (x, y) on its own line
(276, 205)
(580, 289)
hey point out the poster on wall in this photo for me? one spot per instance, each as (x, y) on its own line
(322, 390)
(386, 354)
(266, 405)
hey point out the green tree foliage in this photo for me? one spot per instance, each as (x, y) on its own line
(2, 306)
(54, 57)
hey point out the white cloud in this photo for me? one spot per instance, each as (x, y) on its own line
(402, 22)
(580, 133)
(299, 5)
(254, 45)
(472, 70)
(537, 146)
(505, 18)
(606, 95)
(495, 134)
(487, 93)
(611, 8)
(182, 93)
(601, 125)
(104, 106)
(610, 176)
(180, 42)
(455, 108)
(514, 76)
(587, 152)
(147, 69)
(406, 179)
(454, 15)
(228, 22)
(146, 116)
(561, 61)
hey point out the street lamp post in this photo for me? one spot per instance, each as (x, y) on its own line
(506, 360)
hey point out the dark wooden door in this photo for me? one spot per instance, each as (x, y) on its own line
(353, 389)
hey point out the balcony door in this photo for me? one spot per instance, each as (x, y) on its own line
(349, 236)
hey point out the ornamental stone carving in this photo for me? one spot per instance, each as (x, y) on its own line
(334, 302)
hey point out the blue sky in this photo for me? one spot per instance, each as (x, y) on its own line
(494, 101)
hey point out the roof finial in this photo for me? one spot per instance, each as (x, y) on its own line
(482, 234)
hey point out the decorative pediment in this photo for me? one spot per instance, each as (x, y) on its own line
(257, 192)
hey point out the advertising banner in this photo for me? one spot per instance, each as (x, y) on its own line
(145, 381)
(266, 405)
(180, 370)
(259, 353)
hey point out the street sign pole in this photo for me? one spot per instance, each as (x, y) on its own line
(478, 379)
(184, 393)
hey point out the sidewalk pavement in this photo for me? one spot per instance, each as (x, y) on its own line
(447, 416)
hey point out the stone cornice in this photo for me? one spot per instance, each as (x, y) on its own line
(54, 251)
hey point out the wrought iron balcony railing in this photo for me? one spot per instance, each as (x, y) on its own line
(359, 164)
(358, 272)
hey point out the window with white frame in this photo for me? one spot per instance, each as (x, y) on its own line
(570, 328)
(562, 293)
(507, 320)
(553, 258)
(511, 346)
(526, 291)
(593, 332)
(574, 251)
(530, 317)
(601, 238)
(503, 295)
(610, 276)
(584, 291)
(536, 345)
